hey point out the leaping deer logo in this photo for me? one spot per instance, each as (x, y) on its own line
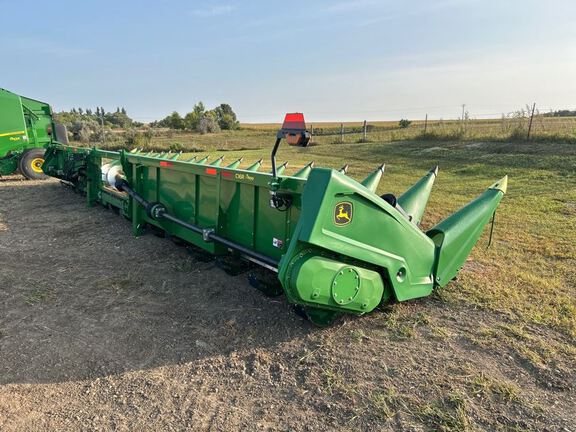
(343, 213)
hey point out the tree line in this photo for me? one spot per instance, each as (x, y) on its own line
(201, 120)
(561, 113)
(115, 119)
(96, 125)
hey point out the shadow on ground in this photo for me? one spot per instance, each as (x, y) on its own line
(80, 297)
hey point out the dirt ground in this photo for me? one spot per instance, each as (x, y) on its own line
(103, 331)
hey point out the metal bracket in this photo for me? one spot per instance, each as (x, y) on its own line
(206, 233)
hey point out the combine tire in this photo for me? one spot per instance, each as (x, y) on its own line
(30, 164)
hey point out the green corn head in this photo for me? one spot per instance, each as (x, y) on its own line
(337, 246)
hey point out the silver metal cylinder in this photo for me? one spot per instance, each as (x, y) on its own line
(110, 172)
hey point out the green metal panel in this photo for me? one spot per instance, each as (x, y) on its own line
(456, 235)
(13, 130)
(237, 212)
(318, 280)
(377, 233)
(414, 200)
(24, 124)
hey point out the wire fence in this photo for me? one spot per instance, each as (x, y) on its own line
(513, 126)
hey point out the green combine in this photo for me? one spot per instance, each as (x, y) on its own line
(26, 127)
(330, 243)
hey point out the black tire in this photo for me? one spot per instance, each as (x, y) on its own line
(30, 164)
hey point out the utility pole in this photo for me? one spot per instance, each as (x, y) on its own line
(426, 123)
(341, 132)
(530, 124)
(364, 132)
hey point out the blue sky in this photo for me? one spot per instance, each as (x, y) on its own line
(333, 60)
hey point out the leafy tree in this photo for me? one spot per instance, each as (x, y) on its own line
(173, 121)
(82, 130)
(404, 123)
(118, 119)
(226, 117)
(208, 123)
(200, 120)
(192, 119)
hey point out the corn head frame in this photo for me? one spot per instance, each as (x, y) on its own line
(331, 243)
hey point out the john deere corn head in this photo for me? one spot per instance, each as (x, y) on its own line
(331, 244)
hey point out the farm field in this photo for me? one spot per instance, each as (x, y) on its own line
(260, 136)
(101, 330)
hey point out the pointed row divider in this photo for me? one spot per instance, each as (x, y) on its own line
(281, 168)
(371, 182)
(218, 161)
(304, 172)
(415, 199)
(190, 159)
(255, 166)
(235, 164)
(203, 160)
(176, 156)
(344, 169)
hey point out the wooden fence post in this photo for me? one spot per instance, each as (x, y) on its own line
(341, 132)
(364, 131)
(426, 123)
(530, 124)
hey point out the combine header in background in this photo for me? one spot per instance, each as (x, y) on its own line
(26, 127)
(336, 246)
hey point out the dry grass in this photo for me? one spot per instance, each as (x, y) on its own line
(259, 136)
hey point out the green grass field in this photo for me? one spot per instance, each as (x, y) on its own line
(256, 136)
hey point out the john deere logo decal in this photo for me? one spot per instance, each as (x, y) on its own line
(343, 213)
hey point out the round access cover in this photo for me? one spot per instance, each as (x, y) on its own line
(345, 286)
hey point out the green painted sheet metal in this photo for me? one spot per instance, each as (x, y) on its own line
(414, 200)
(255, 166)
(24, 124)
(304, 172)
(456, 235)
(371, 182)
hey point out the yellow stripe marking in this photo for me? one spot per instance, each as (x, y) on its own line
(13, 133)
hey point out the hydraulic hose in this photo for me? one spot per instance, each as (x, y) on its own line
(158, 211)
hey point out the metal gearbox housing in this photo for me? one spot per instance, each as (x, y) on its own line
(316, 280)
